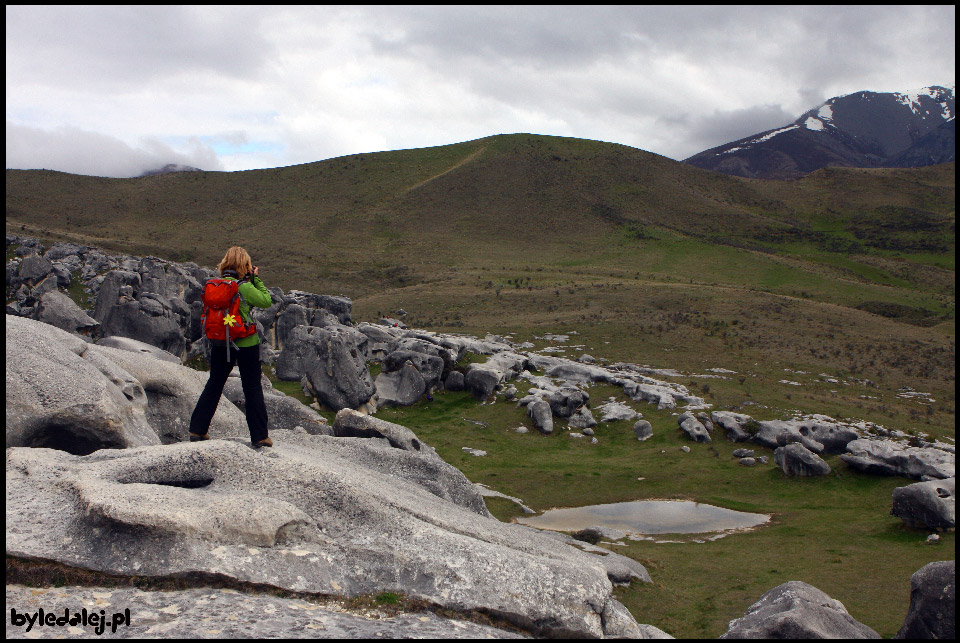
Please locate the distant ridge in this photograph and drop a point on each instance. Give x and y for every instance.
(171, 167)
(864, 130)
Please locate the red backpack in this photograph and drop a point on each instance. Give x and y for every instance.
(222, 321)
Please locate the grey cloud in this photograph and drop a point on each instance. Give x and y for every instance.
(702, 132)
(69, 149)
(106, 46)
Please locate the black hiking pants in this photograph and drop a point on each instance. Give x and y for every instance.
(248, 359)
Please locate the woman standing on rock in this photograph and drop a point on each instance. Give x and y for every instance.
(231, 331)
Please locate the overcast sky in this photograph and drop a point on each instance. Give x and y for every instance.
(114, 91)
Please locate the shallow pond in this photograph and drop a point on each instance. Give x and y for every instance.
(645, 517)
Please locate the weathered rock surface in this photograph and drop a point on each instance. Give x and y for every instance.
(539, 412)
(301, 516)
(57, 309)
(226, 613)
(127, 344)
(482, 381)
(927, 505)
(886, 457)
(614, 411)
(933, 603)
(330, 363)
(733, 424)
(402, 387)
(61, 395)
(565, 401)
(693, 428)
(643, 430)
(796, 610)
(796, 460)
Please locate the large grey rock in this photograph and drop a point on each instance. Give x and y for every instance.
(774, 433)
(127, 344)
(402, 387)
(300, 516)
(693, 428)
(796, 610)
(886, 457)
(330, 363)
(565, 401)
(142, 304)
(226, 613)
(481, 381)
(643, 430)
(539, 412)
(60, 395)
(933, 603)
(582, 419)
(614, 411)
(734, 424)
(382, 339)
(455, 381)
(353, 424)
(796, 460)
(33, 269)
(57, 309)
(927, 505)
(429, 366)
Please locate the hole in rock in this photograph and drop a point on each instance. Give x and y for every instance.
(73, 439)
(198, 483)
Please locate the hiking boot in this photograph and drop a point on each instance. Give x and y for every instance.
(197, 438)
(266, 442)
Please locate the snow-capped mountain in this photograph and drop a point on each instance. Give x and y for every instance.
(863, 129)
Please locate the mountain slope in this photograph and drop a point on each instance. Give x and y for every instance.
(864, 129)
(361, 222)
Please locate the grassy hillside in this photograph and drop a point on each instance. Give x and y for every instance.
(830, 294)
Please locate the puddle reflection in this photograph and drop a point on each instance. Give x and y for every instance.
(644, 517)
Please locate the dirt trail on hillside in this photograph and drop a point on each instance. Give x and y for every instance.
(460, 163)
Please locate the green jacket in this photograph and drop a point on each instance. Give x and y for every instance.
(254, 294)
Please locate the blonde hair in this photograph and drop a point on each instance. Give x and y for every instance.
(236, 259)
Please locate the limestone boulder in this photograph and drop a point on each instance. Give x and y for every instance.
(430, 367)
(172, 392)
(127, 344)
(582, 419)
(888, 457)
(927, 505)
(401, 387)
(330, 363)
(565, 401)
(796, 610)
(307, 515)
(796, 460)
(57, 309)
(933, 603)
(60, 395)
(693, 428)
(455, 381)
(482, 381)
(539, 412)
(643, 430)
